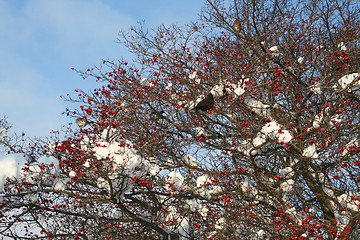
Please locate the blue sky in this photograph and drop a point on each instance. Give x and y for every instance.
(41, 40)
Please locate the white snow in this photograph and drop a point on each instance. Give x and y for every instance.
(322, 177)
(274, 51)
(301, 60)
(191, 161)
(203, 180)
(274, 131)
(102, 151)
(169, 86)
(247, 147)
(261, 234)
(348, 79)
(271, 130)
(199, 131)
(72, 174)
(220, 223)
(286, 172)
(124, 159)
(85, 143)
(259, 140)
(258, 107)
(108, 134)
(10, 167)
(239, 91)
(215, 190)
(342, 46)
(87, 163)
(152, 167)
(318, 48)
(348, 201)
(193, 76)
(236, 90)
(3, 132)
(218, 91)
(43, 170)
(315, 89)
(146, 83)
(50, 161)
(197, 206)
(122, 155)
(336, 118)
(60, 184)
(172, 213)
(175, 180)
(317, 121)
(310, 151)
(353, 143)
(328, 191)
(51, 147)
(248, 189)
(203, 210)
(104, 184)
(287, 186)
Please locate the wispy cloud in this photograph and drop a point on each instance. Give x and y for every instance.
(40, 40)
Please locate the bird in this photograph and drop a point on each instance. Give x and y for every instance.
(156, 115)
(81, 122)
(206, 104)
(236, 25)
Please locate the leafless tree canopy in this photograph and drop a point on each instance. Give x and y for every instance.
(244, 125)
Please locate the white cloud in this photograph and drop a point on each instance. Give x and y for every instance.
(39, 42)
(79, 29)
(26, 99)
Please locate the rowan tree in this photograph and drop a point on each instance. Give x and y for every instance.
(243, 125)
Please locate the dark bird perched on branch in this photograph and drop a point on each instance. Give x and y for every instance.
(206, 104)
(156, 115)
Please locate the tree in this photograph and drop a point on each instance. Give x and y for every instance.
(244, 125)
